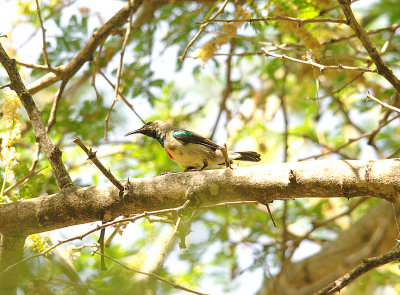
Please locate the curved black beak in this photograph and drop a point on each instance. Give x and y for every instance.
(135, 131)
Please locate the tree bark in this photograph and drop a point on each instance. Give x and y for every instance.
(263, 183)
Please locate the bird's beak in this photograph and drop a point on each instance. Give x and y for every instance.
(135, 131)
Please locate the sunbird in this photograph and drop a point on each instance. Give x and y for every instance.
(190, 150)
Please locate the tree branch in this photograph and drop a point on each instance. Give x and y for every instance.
(157, 277)
(371, 235)
(371, 49)
(300, 21)
(383, 104)
(46, 57)
(263, 183)
(93, 158)
(312, 63)
(53, 154)
(65, 72)
(365, 266)
(202, 28)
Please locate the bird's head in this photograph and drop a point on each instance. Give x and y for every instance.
(153, 129)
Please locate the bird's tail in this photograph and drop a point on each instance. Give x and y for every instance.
(249, 156)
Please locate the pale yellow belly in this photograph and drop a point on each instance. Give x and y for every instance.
(193, 155)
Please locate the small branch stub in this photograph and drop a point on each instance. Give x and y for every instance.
(92, 157)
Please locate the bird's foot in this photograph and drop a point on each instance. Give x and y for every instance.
(166, 172)
(191, 170)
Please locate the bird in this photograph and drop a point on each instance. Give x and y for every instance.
(190, 150)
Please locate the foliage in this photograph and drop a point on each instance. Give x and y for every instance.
(263, 104)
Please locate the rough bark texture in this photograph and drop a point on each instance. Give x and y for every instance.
(264, 183)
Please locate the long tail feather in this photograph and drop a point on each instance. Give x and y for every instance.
(249, 156)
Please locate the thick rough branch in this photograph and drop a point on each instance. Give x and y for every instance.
(53, 154)
(264, 183)
(371, 49)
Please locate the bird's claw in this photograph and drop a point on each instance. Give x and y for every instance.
(166, 172)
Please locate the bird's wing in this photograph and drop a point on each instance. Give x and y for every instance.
(191, 137)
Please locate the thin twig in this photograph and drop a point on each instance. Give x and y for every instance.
(121, 95)
(284, 235)
(55, 11)
(228, 87)
(107, 119)
(329, 9)
(28, 176)
(396, 222)
(6, 85)
(116, 230)
(384, 104)
(101, 246)
(202, 28)
(282, 98)
(350, 82)
(39, 67)
(270, 214)
(324, 146)
(335, 150)
(350, 141)
(31, 171)
(362, 35)
(178, 225)
(319, 224)
(94, 71)
(349, 121)
(157, 277)
(240, 54)
(92, 157)
(365, 266)
(54, 107)
(392, 155)
(119, 70)
(396, 97)
(391, 28)
(317, 65)
(46, 58)
(300, 21)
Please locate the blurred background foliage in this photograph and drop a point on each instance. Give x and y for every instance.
(232, 93)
